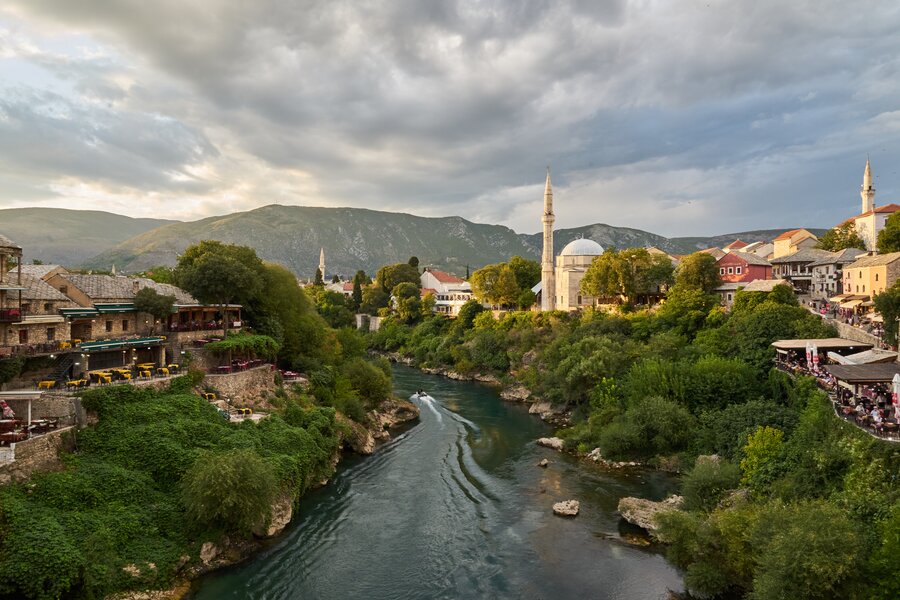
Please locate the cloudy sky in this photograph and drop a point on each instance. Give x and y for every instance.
(682, 118)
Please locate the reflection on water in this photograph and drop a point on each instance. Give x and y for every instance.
(457, 508)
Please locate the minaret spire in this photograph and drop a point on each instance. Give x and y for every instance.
(867, 189)
(548, 279)
(322, 263)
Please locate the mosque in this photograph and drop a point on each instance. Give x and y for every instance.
(564, 278)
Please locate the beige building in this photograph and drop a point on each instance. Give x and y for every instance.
(571, 264)
(827, 273)
(870, 275)
(792, 241)
(871, 220)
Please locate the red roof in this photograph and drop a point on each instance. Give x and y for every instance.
(444, 277)
(887, 208)
(737, 244)
(348, 286)
(788, 234)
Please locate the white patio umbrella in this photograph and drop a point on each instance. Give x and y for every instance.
(809, 355)
(814, 350)
(895, 383)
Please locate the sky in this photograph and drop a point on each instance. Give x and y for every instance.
(680, 118)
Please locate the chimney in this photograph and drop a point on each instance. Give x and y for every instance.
(135, 286)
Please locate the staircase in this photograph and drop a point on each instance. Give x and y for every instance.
(63, 363)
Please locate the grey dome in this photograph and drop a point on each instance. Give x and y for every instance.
(582, 247)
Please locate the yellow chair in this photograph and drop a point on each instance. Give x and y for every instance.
(162, 371)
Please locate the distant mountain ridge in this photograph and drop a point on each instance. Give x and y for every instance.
(70, 237)
(353, 238)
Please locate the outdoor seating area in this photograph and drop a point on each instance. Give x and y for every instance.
(113, 376)
(18, 430)
(865, 394)
(239, 365)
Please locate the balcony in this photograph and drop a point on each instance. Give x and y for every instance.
(12, 315)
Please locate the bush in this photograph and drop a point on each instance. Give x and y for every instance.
(372, 384)
(232, 491)
(708, 482)
(649, 427)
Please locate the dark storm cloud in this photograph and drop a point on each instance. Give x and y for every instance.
(705, 108)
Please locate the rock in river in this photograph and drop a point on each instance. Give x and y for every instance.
(642, 513)
(567, 508)
(554, 443)
(543, 463)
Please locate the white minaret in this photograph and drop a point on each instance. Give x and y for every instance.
(867, 190)
(322, 263)
(548, 279)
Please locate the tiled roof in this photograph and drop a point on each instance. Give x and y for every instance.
(736, 244)
(444, 277)
(38, 270)
(790, 234)
(5, 242)
(764, 285)
(804, 255)
(124, 288)
(874, 261)
(38, 289)
(714, 251)
(887, 208)
(752, 259)
(842, 257)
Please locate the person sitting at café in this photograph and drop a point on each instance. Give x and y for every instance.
(877, 420)
(7, 411)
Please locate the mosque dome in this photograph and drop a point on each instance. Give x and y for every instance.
(582, 247)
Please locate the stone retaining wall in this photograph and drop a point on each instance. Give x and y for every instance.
(853, 333)
(37, 455)
(243, 386)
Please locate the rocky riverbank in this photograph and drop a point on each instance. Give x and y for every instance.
(359, 438)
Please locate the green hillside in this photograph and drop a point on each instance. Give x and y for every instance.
(353, 239)
(69, 237)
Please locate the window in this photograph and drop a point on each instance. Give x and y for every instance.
(109, 326)
(23, 336)
(876, 276)
(730, 270)
(864, 289)
(737, 270)
(860, 275)
(124, 324)
(857, 288)
(579, 299)
(721, 270)
(64, 289)
(51, 334)
(48, 306)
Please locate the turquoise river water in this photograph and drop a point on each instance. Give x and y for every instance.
(455, 507)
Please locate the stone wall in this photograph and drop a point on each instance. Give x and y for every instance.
(50, 405)
(180, 338)
(243, 387)
(203, 359)
(853, 333)
(37, 455)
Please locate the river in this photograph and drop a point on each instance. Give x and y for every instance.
(455, 507)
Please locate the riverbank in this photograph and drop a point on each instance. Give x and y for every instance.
(456, 507)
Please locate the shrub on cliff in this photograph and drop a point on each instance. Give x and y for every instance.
(232, 491)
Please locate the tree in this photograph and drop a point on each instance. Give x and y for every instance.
(234, 491)
(888, 304)
(160, 274)
(496, 284)
(158, 306)
(698, 271)
(841, 237)
(318, 279)
(373, 298)
(336, 279)
(413, 262)
(527, 272)
(629, 273)
(388, 277)
(220, 274)
(409, 304)
(889, 237)
(761, 456)
(356, 295)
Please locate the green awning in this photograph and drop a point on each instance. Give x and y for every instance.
(123, 307)
(78, 312)
(118, 344)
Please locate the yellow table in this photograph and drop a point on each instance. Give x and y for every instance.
(162, 371)
(47, 384)
(75, 383)
(145, 373)
(209, 396)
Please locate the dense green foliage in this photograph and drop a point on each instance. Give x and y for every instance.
(841, 237)
(149, 301)
(798, 503)
(508, 283)
(889, 237)
(246, 345)
(628, 273)
(888, 304)
(158, 475)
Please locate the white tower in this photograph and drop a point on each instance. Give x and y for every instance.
(548, 280)
(322, 263)
(867, 190)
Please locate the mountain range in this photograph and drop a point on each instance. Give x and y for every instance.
(353, 238)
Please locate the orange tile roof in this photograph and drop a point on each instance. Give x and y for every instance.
(788, 234)
(444, 277)
(737, 244)
(887, 208)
